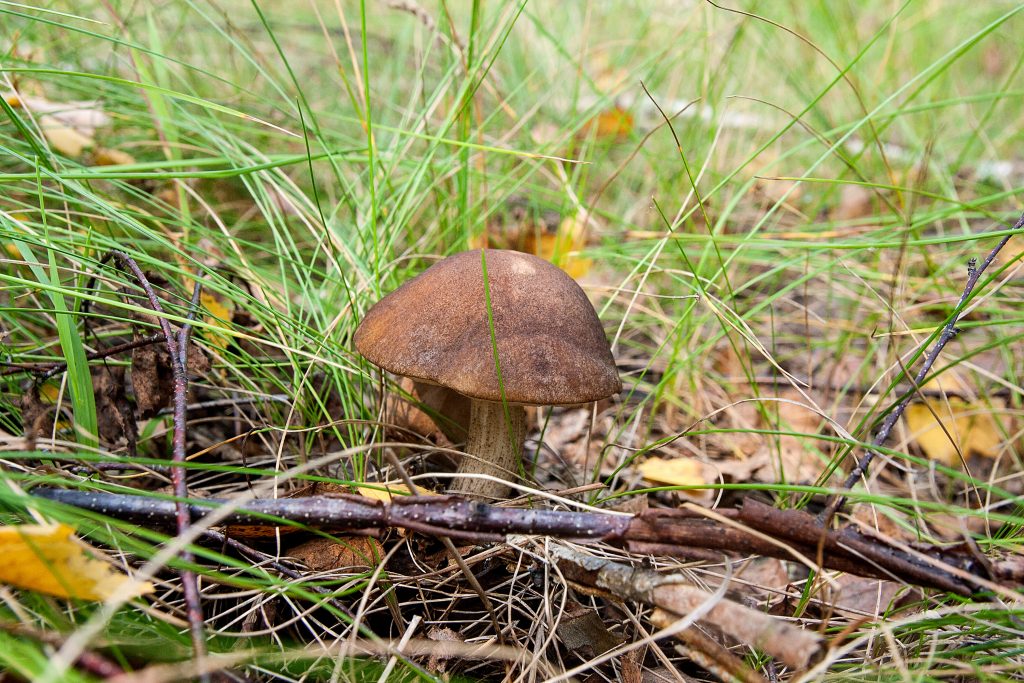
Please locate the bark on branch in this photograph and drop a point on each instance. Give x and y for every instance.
(756, 528)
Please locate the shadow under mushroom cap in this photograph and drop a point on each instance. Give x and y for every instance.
(551, 345)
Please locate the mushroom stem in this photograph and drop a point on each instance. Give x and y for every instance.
(494, 447)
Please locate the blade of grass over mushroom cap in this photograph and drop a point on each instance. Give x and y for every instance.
(459, 316)
(494, 350)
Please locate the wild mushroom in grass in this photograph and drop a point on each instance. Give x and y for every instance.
(551, 349)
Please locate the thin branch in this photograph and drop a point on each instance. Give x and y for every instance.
(52, 368)
(177, 347)
(772, 533)
(949, 331)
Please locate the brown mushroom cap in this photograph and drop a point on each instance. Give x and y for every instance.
(551, 345)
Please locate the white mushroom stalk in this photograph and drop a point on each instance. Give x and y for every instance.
(494, 447)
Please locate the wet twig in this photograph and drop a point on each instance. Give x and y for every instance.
(949, 331)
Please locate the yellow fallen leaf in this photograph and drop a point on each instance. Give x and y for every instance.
(387, 492)
(615, 123)
(969, 425)
(69, 127)
(479, 241)
(673, 472)
(1013, 251)
(82, 115)
(47, 559)
(63, 138)
(221, 310)
(562, 248)
(107, 156)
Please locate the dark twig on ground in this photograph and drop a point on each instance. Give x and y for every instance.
(755, 528)
(177, 347)
(47, 370)
(949, 331)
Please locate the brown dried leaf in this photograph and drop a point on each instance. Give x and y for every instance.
(763, 579)
(106, 156)
(741, 444)
(348, 552)
(790, 458)
(566, 434)
(152, 378)
(855, 201)
(859, 596)
(631, 667)
(634, 504)
(741, 469)
(114, 414)
(438, 663)
(870, 517)
(36, 417)
(582, 632)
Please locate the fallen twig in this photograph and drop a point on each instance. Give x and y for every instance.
(793, 646)
(672, 532)
(949, 331)
(706, 652)
(177, 347)
(46, 370)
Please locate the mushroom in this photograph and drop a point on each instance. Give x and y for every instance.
(551, 348)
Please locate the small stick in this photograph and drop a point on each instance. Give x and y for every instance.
(672, 593)
(949, 331)
(52, 368)
(177, 347)
(707, 653)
